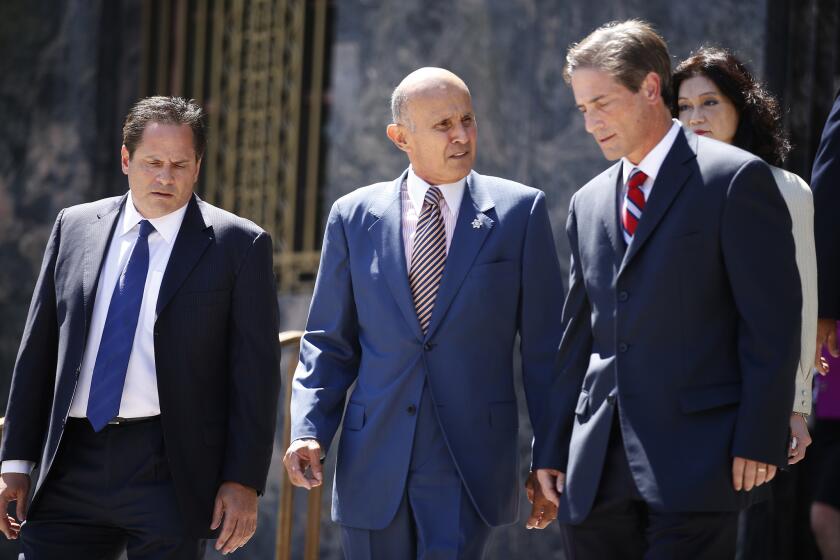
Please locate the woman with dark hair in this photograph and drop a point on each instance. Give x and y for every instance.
(716, 96)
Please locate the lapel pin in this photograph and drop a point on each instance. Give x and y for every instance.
(476, 223)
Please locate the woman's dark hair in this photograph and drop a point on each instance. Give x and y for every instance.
(760, 129)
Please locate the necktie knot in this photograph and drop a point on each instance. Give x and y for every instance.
(146, 228)
(433, 196)
(637, 178)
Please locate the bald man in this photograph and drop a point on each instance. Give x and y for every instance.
(424, 283)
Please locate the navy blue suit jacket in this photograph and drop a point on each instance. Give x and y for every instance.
(825, 182)
(501, 278)
(216, 350)
(690, 335)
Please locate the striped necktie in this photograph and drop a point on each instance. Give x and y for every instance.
(428, 257)
(106, 386)
(634, 204)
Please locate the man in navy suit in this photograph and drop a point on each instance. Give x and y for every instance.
(425, 282)
(681, 326)
(146, 385)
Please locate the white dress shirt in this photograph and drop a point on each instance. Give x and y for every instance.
(649, 165)
(413, 193)
(140, 392)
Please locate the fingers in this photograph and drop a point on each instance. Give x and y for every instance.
(314, 452)
(738, 466)
(20, 510)
(560, 483)
(747, 474)
(823, 367)
(300, 455)
(226, 543)
(218, 510)
(548, 480)
(542, 515)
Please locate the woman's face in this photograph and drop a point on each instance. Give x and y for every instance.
(705, 110)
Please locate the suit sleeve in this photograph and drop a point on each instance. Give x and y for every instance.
(33, 379)
(329, 351)
(825, 182)
(540, 309)
(254, 369)
(760, 259)
(553, 430)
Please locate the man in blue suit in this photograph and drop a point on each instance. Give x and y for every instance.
(424, 283)
(681, 326)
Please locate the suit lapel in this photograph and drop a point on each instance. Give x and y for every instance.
(99, 233)
(193, 239)
(610, 199)
(669, 182)
(386, 235)
(466, 242)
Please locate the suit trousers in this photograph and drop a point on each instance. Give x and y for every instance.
(436, 519)
(106, 493)
(621, 526)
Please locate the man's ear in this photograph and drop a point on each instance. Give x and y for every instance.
(396, 133)
(124, 157)
(652, 87)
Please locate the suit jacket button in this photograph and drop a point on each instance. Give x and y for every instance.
(428, 346)
(611, 399)
(412, 410)
(623, 296)
(622, 347)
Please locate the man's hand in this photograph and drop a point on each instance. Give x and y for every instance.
(826, 336)
(747, 474)
(543, 512)
(800, 439)
(14, 487)
(238, 505)
(303, 454)
(551, 483)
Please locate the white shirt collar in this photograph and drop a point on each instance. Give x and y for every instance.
(167, 226)
(652, 162)
(452, 192)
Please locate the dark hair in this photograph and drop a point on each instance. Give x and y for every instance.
(628, 51)
(760, 129)
(164, 110)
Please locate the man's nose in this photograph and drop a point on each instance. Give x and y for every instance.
(591, 123)
(459, 134)
(165, 176)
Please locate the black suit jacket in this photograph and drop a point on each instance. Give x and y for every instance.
(825, 182)
(691, 335)
(216, 350)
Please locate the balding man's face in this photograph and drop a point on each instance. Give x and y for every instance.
(440, 135)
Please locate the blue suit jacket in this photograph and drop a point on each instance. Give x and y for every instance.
(825, 182)
(501, 278)
(690, 335)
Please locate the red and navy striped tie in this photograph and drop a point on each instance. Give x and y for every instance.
(428, 257)
(634, 203)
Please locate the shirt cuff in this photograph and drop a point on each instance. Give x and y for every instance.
(22, 467)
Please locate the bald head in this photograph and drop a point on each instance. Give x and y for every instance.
(422, 82)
